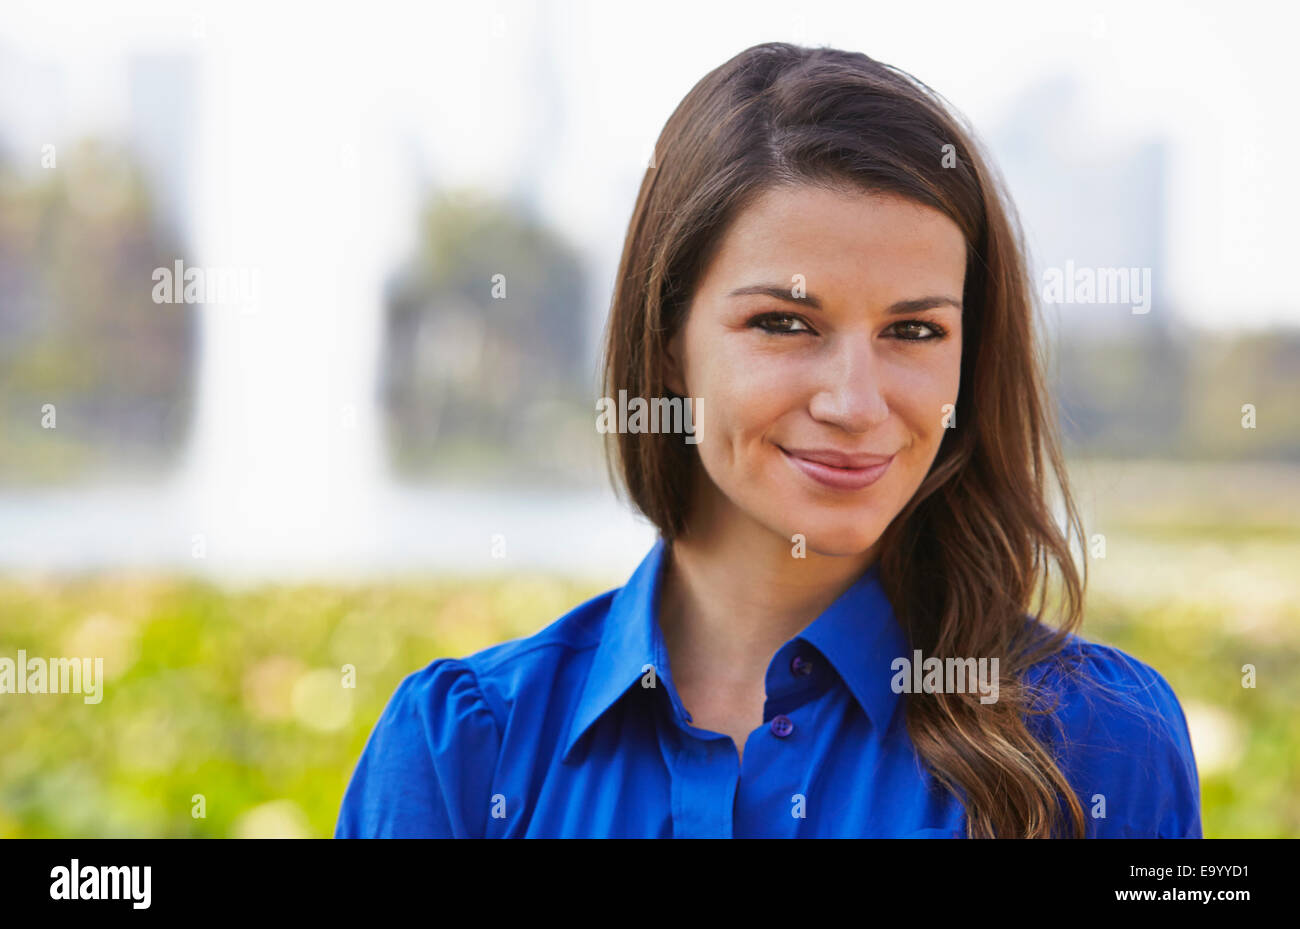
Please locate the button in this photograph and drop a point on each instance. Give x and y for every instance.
(781, 726)
(800, 666)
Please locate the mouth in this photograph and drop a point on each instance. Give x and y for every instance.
(837, 470)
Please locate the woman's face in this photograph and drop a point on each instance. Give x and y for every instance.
(824, 341)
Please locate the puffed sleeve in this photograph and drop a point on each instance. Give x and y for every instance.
(1122, 740)
(427, 768)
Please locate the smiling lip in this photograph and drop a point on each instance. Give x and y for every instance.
(836, 469)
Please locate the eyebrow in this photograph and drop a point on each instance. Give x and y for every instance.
(778, 292)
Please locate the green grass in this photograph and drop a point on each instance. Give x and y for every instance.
(237, 696)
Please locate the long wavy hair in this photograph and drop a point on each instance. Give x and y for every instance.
(964, 559)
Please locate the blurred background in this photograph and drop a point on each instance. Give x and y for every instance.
(299, 324)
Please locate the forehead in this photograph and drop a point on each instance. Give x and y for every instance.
(841, 239)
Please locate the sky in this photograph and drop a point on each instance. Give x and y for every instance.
(455, 88)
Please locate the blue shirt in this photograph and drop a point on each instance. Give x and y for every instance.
(577, 731)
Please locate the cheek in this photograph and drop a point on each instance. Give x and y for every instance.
(744, 395)
(924, 393)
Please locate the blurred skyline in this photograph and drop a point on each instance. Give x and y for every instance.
(542, 112)
(304, 146)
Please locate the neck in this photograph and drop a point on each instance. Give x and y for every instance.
(733, 593)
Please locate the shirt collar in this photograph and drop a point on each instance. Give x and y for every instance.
(627, 644)
(858, 634)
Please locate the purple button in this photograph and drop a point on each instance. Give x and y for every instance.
(781, 726)
(800, 666)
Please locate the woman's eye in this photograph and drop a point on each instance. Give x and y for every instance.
(915, 325)
(780, 323)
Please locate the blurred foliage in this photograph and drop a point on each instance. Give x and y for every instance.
(476, 382)
(485, 357)
(1178, 393)
(1246, 740)
(237, 694)
(78, 325)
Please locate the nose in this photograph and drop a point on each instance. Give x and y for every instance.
(850, 390)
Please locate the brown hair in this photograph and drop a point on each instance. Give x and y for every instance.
(963, 559)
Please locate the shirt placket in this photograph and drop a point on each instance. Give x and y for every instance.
(705, 776)
(703, 768)
(774, 788)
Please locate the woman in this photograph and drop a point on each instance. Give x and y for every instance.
(831, 636)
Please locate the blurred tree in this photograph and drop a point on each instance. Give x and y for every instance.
(1125, 393)
(1259, 368)
(484, 356)
(1178, 393)
(78, 325)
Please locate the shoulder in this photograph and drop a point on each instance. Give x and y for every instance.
(524, 670)
(429, 762)
(488, 685)
(1121, 736)
(420, 774)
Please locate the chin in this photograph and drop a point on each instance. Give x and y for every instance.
(842, 539)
